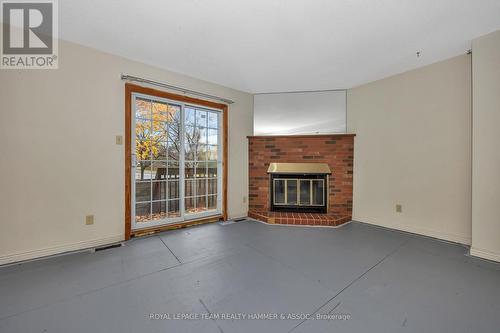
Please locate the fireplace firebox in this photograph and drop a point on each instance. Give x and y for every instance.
(299, 187)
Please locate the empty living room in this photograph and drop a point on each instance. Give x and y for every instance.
(276, 166)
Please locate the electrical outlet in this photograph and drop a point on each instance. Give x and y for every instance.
(119, 140)
(244, 199)
(399, 208)
(89, 219)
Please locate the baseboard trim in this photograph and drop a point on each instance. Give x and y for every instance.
(483, 254)
(421, 231)
(60, 249)
(237, 216)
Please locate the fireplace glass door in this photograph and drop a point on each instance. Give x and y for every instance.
(298, 192)
(317, 192)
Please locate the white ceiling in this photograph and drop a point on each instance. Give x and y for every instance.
(280, 45)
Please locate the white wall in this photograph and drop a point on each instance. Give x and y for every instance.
(300, 113)
(59, 158)
(413, 147)
(486, 150)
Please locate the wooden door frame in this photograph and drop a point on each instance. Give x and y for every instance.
(133, 88)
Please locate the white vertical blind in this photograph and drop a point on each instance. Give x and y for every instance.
(321, 112)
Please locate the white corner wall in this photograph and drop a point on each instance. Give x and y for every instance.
(485, 145)
(413, 147)
(59, 157)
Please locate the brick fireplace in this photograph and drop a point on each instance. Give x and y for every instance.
(301, 151)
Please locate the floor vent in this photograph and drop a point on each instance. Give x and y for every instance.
(108, 247)
(240, 219)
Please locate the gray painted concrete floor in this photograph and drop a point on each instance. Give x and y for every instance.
(385, 281)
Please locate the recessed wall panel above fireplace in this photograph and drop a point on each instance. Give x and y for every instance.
(283, 113)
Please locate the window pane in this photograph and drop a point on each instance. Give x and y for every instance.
(159, 171)
(317, 188)
(189, 132)
(212, 202)
(143, 170)
(167, 112)
(213, 136)
(159, 150)
(189, 206)
(159, 107)
(189, 169)
(161, 119)
(173, 170)
(143, 139)
(143, 212)
(213, 119)
(305, 192)
(212, 186)
(174, 208)
(189, 152)
(201, 153)
(212, 169)
(195, 137)
(174, 114)
(142, 191)
(173, 189)
(159, 210)
(279, 191)
(174, 131)
(201, 170)
(201, 118)
(201, 204)
(189, 188)
(201, 186)
(173, 150)
(212, 153)
(143, 108)
(159, 129)
(203, 135)
(291, 188)
(159, 190)
(189, 116)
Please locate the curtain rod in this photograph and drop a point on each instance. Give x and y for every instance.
(168, 86)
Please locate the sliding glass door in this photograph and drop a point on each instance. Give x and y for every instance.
(176, 161)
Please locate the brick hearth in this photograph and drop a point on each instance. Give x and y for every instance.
(335, 149)
(299, 218)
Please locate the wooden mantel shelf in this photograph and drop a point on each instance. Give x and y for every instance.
(301, 135)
